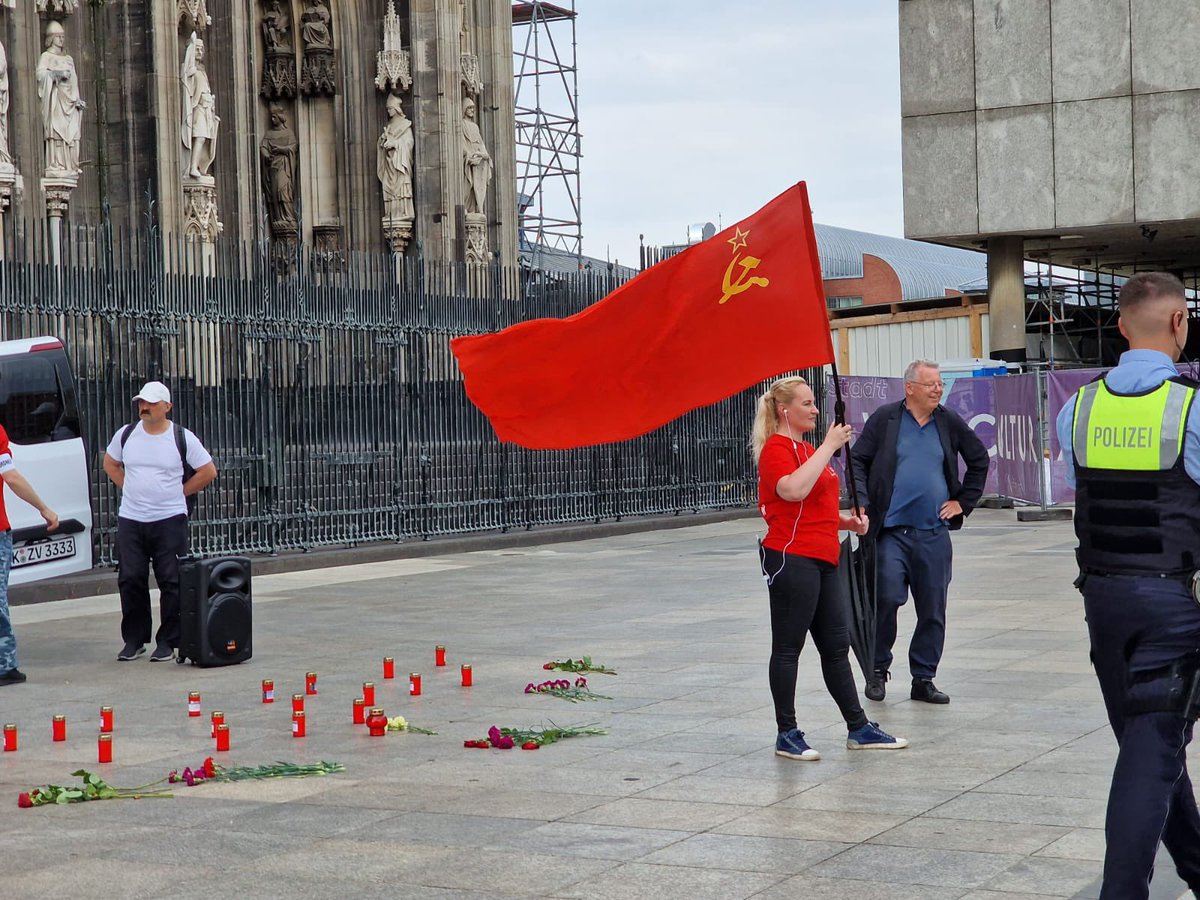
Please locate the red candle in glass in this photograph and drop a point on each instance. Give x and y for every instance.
(268, 688)
(60, 728)
(298, 724)
(377, 722)
(104, 748)
(414, 684)
(360, 711)
(369, 693)
(10, 737)
(297, 703)
(468, 676)
(310, 683)
(193, 704)
(106, 719)
(218, 718)
(222, 737)
(439, 655)
(389, 667)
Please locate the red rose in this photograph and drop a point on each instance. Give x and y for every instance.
(530, 745)
(23, 801)
(505, 743)
(210, 768)
(548, 665)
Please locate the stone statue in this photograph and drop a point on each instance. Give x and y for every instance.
(277, 153)
(5, 156)
(277, 31)
(200, 118)
(477, 163)
(396, 161)
(315, 26)
(62, 109)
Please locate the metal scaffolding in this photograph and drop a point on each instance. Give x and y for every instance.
(547, 127)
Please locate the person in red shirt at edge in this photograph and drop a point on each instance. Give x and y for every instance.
(798, 494)
(16, 482)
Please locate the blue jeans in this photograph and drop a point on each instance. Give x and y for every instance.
(1141, 625)
(910, 558)
(8, 641)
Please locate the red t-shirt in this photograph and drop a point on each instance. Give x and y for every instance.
(806, 528)
(6, 465)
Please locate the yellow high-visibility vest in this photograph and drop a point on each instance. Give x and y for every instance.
(1136, 433)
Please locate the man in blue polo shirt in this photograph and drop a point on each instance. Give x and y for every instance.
(906, 465)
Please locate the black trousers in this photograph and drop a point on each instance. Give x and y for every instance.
(1140, 625)
(140, 544)
(806, 597)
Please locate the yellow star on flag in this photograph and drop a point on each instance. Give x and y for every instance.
(739, 239)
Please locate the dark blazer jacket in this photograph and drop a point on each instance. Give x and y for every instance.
(874, 458)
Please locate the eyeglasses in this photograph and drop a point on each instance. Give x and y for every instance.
(932, 385)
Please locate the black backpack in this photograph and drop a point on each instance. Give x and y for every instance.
(181, 444)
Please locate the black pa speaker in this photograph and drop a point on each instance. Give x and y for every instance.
(214, 611)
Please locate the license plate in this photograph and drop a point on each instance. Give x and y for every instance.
(43, 551)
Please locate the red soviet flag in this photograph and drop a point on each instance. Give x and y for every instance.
(743, 306)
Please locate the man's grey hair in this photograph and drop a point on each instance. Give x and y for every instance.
(910, 374)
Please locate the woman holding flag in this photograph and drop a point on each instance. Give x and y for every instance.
(798, 494)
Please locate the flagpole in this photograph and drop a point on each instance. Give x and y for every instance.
(839, 417)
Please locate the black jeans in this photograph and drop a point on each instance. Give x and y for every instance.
(806, 596)
(138, 545)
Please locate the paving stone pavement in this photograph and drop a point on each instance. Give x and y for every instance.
(1000, 797)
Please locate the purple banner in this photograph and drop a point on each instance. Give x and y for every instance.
(971, 398)
(1061, 388)
(1018, 460)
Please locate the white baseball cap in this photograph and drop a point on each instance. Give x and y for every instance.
(154, 392)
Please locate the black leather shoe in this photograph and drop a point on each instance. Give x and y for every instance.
(925, 691)
(876, 688)
(12, 676)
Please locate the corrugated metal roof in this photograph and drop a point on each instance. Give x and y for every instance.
(924, 270)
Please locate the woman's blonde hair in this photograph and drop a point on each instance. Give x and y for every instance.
(766, 417)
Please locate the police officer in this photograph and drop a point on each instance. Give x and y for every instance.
(1134, 436)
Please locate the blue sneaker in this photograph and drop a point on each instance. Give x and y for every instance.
(872, 737)
(792, 745)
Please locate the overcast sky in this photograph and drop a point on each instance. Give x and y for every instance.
(697, 109)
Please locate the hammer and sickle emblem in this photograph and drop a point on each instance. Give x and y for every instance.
(744, 281)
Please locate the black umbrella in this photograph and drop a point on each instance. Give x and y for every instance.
(857, 570)
(857, 565)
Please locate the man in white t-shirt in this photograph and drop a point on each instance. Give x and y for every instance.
(146, 461)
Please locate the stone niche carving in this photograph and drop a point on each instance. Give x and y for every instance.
(200, 219)
(200, 119)
(327, 247)
(279, 65)
(476, 232)
(194, 14)
(57, 7)
(393, 67)
(278, 153)
(62, 108)
(471, 82)
(319, 75)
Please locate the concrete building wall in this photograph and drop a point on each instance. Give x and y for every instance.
(1035, 116)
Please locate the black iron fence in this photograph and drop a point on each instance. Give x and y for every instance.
(326, 391)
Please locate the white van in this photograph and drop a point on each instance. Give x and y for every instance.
(40, 411)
